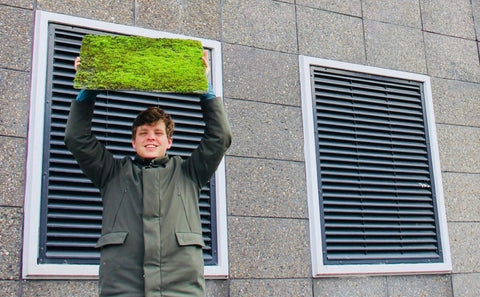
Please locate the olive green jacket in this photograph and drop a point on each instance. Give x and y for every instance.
(151, 242)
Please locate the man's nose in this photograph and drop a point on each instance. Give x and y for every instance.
(151, 135)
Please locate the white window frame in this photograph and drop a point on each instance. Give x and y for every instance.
(320, 269)
(32, 269)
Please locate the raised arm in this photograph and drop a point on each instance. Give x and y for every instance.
(216, 139)
(93, 158)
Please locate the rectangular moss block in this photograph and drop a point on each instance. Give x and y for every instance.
(142, 64)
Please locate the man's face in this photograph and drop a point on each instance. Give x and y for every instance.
(151, 141)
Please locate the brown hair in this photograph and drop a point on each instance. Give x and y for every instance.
(151, 116)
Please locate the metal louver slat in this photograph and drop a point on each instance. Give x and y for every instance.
(376, 195)
(71, 206)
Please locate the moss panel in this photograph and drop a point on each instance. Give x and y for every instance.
(141, 63)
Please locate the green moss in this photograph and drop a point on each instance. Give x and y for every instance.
(141, 63)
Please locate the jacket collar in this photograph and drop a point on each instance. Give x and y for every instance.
(151, 162)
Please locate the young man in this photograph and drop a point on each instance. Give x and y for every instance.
(151, 242)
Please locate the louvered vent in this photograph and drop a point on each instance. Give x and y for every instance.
(71, 206)
(375, 179)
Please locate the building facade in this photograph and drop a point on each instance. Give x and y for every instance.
(354, 168)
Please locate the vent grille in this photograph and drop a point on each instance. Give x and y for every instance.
(375, 182)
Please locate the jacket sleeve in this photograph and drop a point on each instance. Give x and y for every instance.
(92, 156)
(216, 140)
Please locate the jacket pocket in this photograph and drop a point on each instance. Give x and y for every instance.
(188, 238)
(112, 238)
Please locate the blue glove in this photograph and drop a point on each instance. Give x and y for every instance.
(208, 95)
(87, 95)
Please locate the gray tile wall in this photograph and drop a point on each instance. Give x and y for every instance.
(268, 230)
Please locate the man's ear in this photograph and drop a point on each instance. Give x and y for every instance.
(133, 144)
(170, 141)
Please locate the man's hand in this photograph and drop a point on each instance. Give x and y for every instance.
(84, 95)
(205, 61)
(76, 63)
(209, 94)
